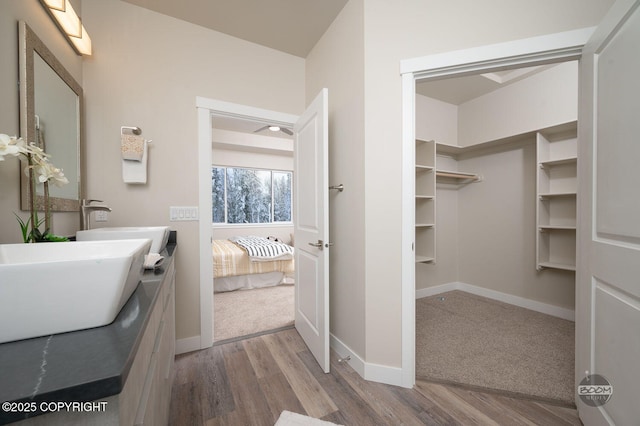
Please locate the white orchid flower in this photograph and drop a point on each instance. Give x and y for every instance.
(39, 168)
(36, 152)
(47, 172)
(9, 146)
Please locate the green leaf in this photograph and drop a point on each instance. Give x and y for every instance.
(24, 227)
(55, 238)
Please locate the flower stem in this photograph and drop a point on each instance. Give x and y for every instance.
(47, 208)
(32, 199)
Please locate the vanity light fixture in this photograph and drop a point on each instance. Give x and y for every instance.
(69, 23)
(274, 128)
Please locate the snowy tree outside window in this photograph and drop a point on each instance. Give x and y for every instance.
(243, 195)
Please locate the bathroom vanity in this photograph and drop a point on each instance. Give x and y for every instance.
(118, 374)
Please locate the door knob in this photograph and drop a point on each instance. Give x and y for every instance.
(319, 244)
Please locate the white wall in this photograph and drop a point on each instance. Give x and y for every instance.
(337, 62)
(12, 11)
(545, 99)
(408, 29)
(146, 71)
(230, 148)
(497, 229)
(436, 120)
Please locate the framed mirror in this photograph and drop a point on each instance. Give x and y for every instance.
(51, 109)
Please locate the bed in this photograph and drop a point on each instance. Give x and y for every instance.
(261, 263)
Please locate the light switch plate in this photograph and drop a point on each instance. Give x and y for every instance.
(101, 216)
(184, 213)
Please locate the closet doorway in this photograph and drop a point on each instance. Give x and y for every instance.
(252, 180)
(471, 186)
(495, 250)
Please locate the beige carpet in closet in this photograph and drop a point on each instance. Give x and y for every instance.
(470, 340)
(247, 312)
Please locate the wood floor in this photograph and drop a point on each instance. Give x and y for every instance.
(250, 382)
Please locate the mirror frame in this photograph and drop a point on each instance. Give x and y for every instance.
(29, 45)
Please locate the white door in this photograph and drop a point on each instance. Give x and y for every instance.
(608, 273)
(311, 219)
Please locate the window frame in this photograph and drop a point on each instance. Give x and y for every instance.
(270, 224)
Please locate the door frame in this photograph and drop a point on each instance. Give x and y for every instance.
(207, 109)
(541, 50)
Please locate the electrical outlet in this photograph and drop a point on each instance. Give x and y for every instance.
(101, 215)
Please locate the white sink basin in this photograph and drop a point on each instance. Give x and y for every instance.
(50, 288)
(159, 235)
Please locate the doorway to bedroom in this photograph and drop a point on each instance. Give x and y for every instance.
(251, 180)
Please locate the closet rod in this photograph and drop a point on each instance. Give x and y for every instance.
(457, 175)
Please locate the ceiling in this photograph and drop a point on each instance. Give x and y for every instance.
(294, 27)
(245, 126)
(459, 90)
(291, 26)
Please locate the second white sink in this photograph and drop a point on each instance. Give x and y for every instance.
(158, 234)
(50, 288)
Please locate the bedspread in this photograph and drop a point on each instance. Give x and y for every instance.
(263, 249)
(230, 260)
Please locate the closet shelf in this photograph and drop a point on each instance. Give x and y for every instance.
(556, 265)
(559, 162)
(425, 201)
(462, 176)
(557, 158)
(557, 194)
(557, 227)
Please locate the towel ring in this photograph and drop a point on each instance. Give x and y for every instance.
(134, 130)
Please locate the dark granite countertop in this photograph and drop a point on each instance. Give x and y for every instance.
(85, 365)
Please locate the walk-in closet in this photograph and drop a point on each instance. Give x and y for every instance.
(495, 230)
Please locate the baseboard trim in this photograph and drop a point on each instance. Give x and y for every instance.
(384, 374)
(188, 344)
(522, 302)
(442, 288)
(344, 351)
(368, 371)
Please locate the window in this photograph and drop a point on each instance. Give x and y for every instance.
(250, 195)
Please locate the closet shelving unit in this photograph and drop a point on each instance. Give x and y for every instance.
(425, 201)
(557, 192)
(458, 177)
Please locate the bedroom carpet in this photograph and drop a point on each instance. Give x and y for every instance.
(246, 312)
(485, 344)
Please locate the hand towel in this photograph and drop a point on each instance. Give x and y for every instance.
(153, 260)
(136, 171)
(132, 147)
